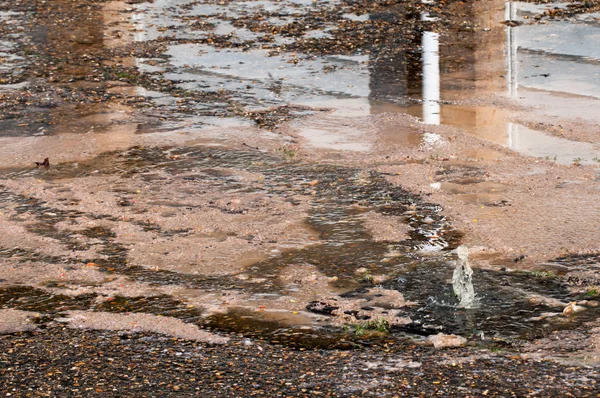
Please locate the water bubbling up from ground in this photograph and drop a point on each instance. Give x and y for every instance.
(462, 279)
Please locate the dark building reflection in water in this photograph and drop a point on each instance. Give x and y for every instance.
(453, 58)
(395, 69)
(439, 56)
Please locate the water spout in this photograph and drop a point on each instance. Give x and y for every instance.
(462, 282)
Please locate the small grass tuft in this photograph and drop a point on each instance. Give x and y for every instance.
(366, 278)
(288, 153)
(544, 274)
(374, 325)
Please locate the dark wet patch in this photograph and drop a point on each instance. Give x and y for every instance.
(158, 305)
(26, 255)
(27, 298)
(461, 174)
(253, 325)
(499, 203)
(272, 118)
(504, 307)
(50, 304)
(579, 271)
(591, 260)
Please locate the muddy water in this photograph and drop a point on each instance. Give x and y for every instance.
(422, 264)
(339, 201)
(139, 85)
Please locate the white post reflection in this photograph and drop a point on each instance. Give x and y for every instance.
(431, 77)
(510, 14)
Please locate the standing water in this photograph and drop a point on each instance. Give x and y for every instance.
(462, 279)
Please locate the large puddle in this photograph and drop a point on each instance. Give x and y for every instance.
(550, 69)
(201, 70)
(256, 55)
